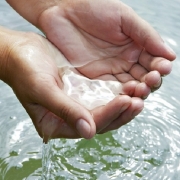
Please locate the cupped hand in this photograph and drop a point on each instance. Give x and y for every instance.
(30, 69)
(107, 40)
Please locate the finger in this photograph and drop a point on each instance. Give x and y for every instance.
(136, 89)
(152, 63)
(152, 78)
(104, 115)
(124, 77)
(133, 110)
(142, 33)
(138, 72)
(50, 96)
(156, 87)
(130, 86)
(48, 125)
(142, 91)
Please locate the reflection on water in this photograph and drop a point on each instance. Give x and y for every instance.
(20, 153)
(148, 148)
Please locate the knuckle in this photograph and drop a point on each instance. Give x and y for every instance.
(65, 113)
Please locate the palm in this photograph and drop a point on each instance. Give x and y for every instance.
(94, 41)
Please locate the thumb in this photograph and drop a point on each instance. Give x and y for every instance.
(144, 35)
(75, 115)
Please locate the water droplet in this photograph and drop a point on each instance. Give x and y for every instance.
(18, 166)
(158, 109)
(169, 161)
(13, 117)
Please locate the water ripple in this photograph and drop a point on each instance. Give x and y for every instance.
(147, 148)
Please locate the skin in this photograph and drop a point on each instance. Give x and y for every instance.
(27, 64)
(115, 32)
(135, 56)
(109, 43)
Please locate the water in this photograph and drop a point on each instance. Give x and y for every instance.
(89, 93)
(148, 148)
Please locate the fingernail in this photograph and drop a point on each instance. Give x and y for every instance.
(135, 113)
(145, 97)
(169, 49)
(158, 84)
(83, 128)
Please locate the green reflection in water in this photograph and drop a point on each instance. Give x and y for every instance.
(19, 173)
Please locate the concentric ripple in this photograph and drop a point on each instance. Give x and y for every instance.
(147, 148)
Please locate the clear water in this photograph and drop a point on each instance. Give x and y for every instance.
(148, 148)
(87, 92)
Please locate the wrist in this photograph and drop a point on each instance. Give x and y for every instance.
(10, 41)
(32, 9)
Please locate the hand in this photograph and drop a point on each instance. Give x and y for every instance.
(106, 40)
(29, 68)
